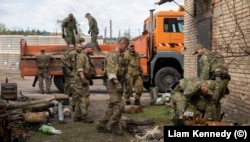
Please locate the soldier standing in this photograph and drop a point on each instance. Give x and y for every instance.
(83, 72)
(43, 61)
(69, 29)
(93, 30)
(72, 80)
(213, 68)
(115, 69)
(67, 68)
(134, 75)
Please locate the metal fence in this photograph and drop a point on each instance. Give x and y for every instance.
(10, 50)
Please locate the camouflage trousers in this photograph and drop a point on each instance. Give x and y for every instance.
(94, 40)
(73, 90)
(66, 85)
(134, 82)
(82, 101)
(70, 39)
(115, 107)
(213, 109)
(43, 75)
(181, 102)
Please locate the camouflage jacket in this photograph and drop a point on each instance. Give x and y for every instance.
(72, 58)
(65, 59)
(82, 64)
(211, 62)
(43, 60)
(134, 67)
(115, 65)
(69, 27)
(190, 86)
(93, 28)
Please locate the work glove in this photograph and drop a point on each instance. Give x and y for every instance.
(63, 35)
(88, 32)
(118, 85)
(84, 82)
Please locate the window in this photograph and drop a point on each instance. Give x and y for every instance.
(173, 24)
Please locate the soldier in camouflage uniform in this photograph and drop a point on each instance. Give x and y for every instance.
(43, 61)
(115, 68)
(82, 84)
(93, 30)
(67, 68)
(192, 90)
(134, 75)
(72, 80)
(213, 68)
(69, 29)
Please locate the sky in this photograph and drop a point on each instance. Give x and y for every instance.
(125, 15)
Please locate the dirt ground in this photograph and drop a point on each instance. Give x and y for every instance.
(98, 102)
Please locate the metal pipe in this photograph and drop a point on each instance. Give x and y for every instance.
(151, 32)
(60, 112)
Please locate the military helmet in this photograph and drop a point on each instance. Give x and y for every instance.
(197, 47)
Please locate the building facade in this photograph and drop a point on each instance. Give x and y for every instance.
(222, 26)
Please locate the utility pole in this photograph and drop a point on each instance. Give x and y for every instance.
(105, 34)
(110, 30)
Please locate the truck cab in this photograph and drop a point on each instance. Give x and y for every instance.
(160, 47)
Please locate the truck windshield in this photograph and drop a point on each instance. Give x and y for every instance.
(173, 25)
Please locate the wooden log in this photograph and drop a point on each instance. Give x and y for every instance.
(218, 123)
(35, 117)
(132, 109)
(129, 109)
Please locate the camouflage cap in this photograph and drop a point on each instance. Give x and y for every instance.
(210, 86)
(42, 50)
(87, 14)
(197, 47)
(89, 45)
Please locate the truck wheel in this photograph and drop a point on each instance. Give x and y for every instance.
(165, 77)
(59, 83)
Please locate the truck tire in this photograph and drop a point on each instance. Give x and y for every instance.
(165, 77)
(59, 83)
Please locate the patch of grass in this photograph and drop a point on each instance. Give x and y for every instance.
(77, 132)
(161, 115)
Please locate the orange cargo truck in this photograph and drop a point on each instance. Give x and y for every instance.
(160, 47)
(28, 64)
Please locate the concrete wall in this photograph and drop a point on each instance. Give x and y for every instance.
(230, 36)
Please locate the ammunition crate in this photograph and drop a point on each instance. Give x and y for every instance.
(9, 91)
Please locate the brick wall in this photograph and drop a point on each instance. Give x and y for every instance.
(230, 37)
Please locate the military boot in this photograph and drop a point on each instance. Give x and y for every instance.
(73, 108)
(102, 128)
(137, 102)
(116, 130)
(87, 120)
